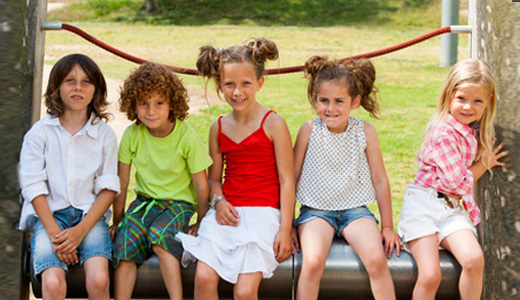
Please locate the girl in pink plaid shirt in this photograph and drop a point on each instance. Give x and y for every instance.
(457, 150)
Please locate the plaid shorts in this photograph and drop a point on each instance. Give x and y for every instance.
(148, 222)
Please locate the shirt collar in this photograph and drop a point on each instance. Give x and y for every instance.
(90, 129)
(463, 129)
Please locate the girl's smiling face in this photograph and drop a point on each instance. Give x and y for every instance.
(468, 103)
(239, 85)
(333, 105)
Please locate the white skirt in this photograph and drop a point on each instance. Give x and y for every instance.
(234, 250)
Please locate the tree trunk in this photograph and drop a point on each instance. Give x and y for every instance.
(150, 6)
(16, 78)
(496, 39)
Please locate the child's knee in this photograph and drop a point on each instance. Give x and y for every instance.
(97, 283)
(314, 265)
(242, 292)
(430, 278)
(54, 284)
(473, 261)
(375, 262)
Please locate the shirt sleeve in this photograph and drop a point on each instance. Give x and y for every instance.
(107, 177)
(453, 175)
(197, 156)
(125, 153)
(32, 172)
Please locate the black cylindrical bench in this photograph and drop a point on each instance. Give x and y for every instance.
(344, 278)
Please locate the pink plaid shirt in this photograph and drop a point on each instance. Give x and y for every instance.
(445, 160)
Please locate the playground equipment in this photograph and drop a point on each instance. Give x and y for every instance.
(344, 278)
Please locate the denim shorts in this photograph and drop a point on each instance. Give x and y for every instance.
(338, 219)
(97, 242)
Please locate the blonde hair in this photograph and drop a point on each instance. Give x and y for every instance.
(469, 71)
(358, 76)
(211, 60)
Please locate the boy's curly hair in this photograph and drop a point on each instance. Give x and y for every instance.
(152, 78)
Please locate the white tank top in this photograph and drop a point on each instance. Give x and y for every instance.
(335, 173)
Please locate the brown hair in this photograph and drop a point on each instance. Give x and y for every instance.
(58, 73)
(152, 78)
(256, 52)
(358, 76)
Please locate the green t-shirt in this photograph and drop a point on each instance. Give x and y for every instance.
(164, 165)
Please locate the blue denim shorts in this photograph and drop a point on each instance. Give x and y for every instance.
(97, 242)
(338, 219)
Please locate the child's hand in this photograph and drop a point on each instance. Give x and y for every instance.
(498, 155)
(283, 246)
(295, 239)
(391, 240)
(194, 229)
(68, 258)
(68, 240)
(112, 231)
(226, 213)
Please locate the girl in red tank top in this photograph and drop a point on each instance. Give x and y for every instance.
(248, 229)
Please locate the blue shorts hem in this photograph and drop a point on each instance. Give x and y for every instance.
(94, 254)
(43, 267)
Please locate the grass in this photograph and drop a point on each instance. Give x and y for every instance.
(409, 81)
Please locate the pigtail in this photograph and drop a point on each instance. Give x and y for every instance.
(363, 83)
(358, 76)
(208, 61)
(262, 49)
(313, 67)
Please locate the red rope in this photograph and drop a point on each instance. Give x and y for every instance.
(138, 60)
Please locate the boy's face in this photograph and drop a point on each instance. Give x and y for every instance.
(154, 113)
(76, 90)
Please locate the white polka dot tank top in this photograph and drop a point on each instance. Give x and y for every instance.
(335, 173)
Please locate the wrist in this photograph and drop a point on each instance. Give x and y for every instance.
(216, 198)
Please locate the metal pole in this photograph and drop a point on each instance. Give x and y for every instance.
(449, 42)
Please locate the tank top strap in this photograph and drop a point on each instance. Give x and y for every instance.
(219, 125)
(265, 117)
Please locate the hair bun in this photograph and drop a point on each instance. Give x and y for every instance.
(315, 64)
(207, 62)
(263, 49)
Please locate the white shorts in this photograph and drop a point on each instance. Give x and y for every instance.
(423, 214)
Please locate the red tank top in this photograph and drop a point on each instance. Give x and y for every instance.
(250, 175)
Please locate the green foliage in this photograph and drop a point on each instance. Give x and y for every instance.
(417, 3)
(244, 12)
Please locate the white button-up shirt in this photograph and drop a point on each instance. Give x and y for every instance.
(70, 170)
